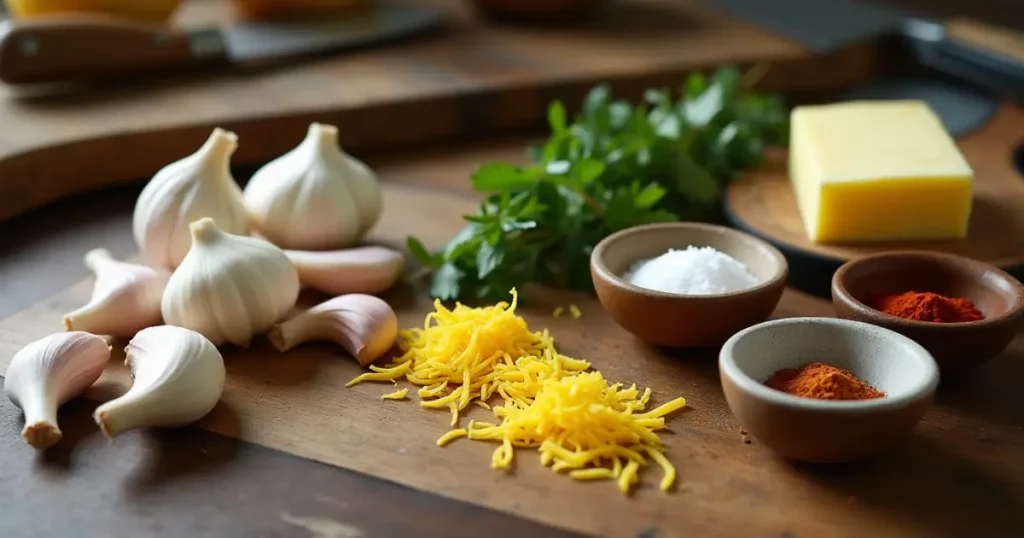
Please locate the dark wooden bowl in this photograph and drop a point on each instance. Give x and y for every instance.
(539, 10)
(999, 296)
(676, 320)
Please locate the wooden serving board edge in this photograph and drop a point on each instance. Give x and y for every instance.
(35, 177)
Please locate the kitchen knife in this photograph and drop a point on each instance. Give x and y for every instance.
(90, 47)
(966, 49)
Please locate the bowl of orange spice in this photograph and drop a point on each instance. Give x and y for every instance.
(964, 312)
(826, 390)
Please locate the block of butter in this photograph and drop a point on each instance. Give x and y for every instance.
(877, 170)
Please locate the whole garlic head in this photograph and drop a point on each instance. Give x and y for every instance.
(197, 186)
(178, 378)
(315, 197)
(229, 287)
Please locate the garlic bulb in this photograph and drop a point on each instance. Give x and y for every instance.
(315, 197)
(354, 270)
(229, 287)
(363, 324)
(125, 298)
(197, 186)
(49, 372)
(178, 378)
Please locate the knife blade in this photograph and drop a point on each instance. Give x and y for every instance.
(89, 47)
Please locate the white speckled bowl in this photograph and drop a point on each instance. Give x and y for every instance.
(822, 430)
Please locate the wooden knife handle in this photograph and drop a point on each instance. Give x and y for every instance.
(994, 39)
(54, 50)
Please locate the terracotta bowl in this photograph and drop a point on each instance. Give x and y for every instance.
(675, 320)
(998, 296)
(826, 431)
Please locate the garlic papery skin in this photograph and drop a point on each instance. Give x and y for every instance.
(229, 287)
(355, 270)
(178, 378)
(197, 186)
(363, 324)
(49, 372)
(125, 298)
(315, 197)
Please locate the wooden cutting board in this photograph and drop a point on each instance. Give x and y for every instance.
(473, 78)
(960, 474)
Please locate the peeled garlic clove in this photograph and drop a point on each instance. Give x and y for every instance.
(178, 378)
(229, 287)
(125, 297)
(363, 324)
(197, 186)
(355, 270)
(49, 372)
(315, 197)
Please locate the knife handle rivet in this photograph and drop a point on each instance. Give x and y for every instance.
(28, 46)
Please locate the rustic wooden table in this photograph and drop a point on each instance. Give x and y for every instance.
(961, 477)
(191, 482)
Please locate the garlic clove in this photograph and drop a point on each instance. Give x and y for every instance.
(125, 298)
(47, 373)
(229, 287)
(363, 324)
(315, 197)
(194, 187)
(178, 378)
(356, 270)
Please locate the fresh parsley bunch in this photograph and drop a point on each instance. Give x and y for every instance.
(615, 166)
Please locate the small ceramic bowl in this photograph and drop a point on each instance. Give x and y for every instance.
(998, 296)
(826, 431)
(676, 320)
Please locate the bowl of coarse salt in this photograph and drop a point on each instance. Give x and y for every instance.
(685, 284)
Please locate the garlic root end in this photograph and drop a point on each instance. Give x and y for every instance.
(102, 419)
(278, 339)
(41, 434)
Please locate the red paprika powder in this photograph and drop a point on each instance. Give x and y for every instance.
(822, 382)
(927, 306)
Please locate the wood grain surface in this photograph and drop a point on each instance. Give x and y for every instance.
(58, 141)
(762, 202)
(958, 475)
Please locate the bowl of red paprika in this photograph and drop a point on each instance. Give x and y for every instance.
(963, 311)
(826, 390)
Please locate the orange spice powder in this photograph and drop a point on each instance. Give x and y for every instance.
(822, 382)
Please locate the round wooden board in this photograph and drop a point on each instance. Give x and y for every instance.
(763, 204)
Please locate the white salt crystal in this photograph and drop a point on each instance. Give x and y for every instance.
(694, 271)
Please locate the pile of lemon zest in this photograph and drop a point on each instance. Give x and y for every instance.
(464, 354)
(583, 425)
(576, 420)
(575, 311)
(451, 436)
(397, 395)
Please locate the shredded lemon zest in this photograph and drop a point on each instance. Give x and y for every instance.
(575, 311)
(577, 421)
(468, 354)
(399, 394)
(586, 426)
(559, 310)
(451, 436)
